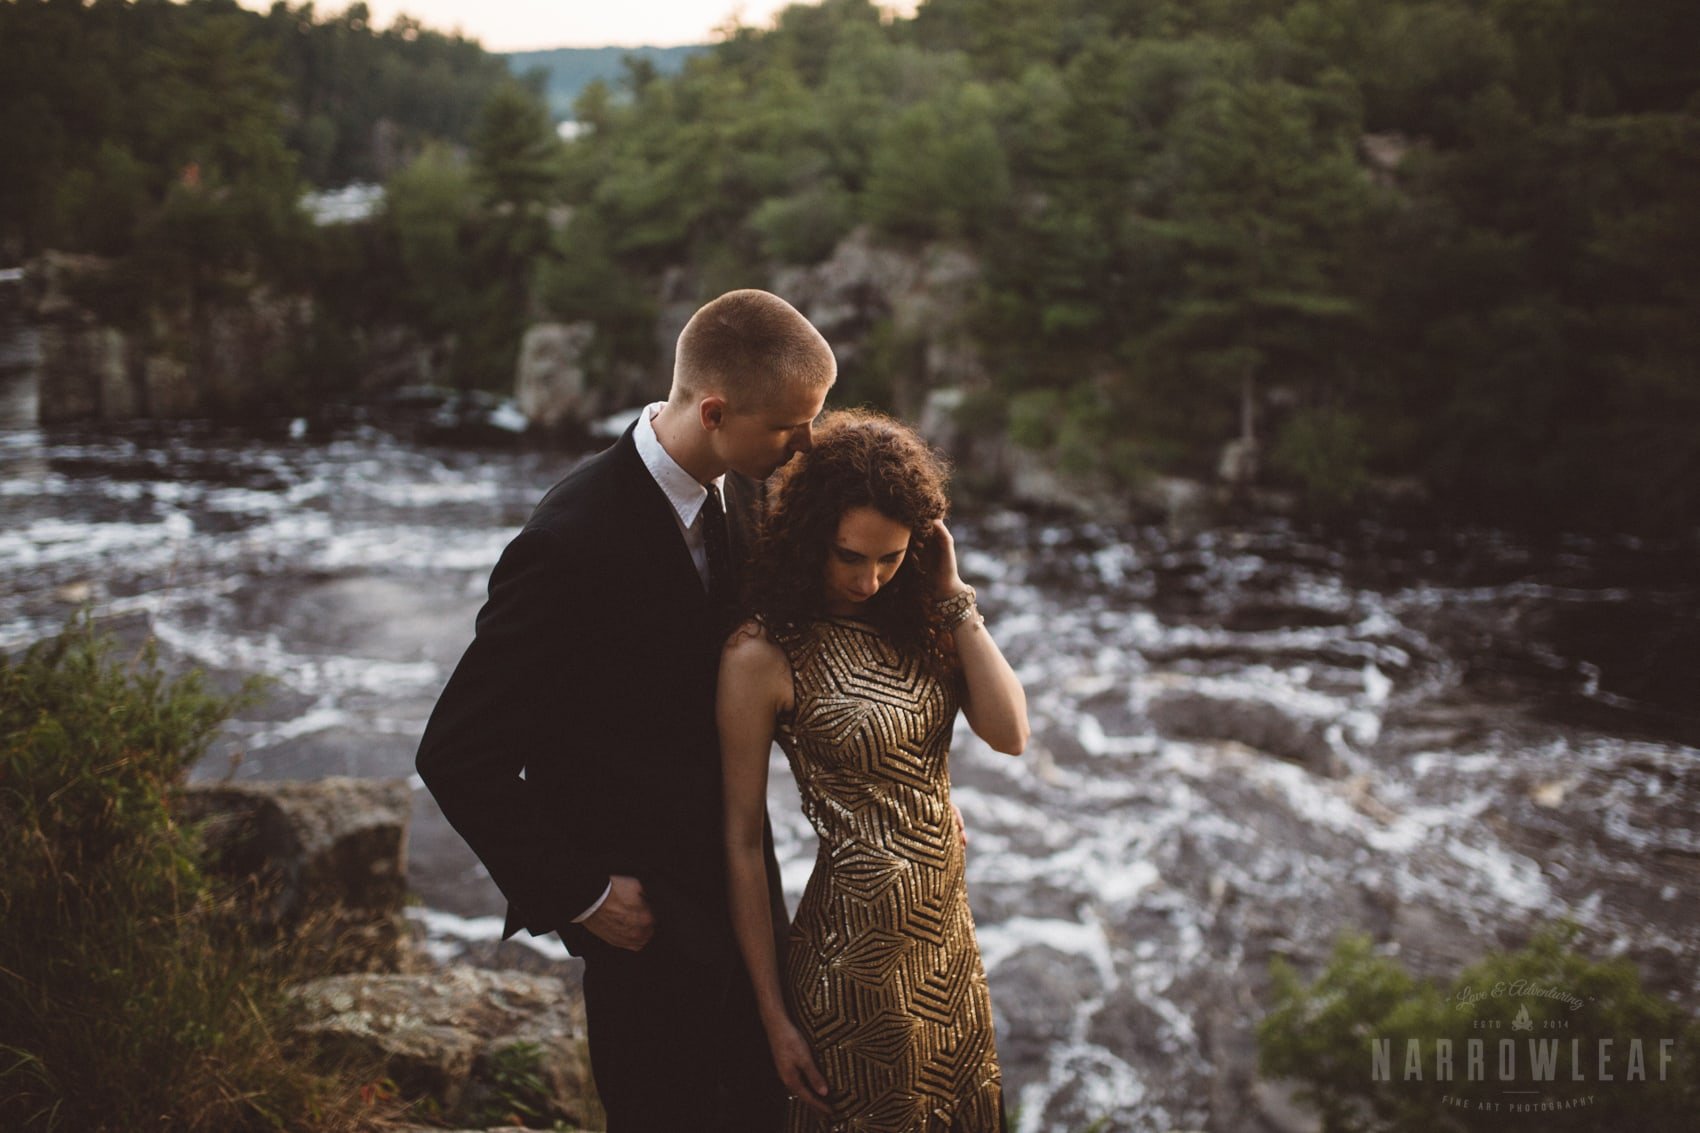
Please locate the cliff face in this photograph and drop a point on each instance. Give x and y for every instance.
(921, 299)
(171, 363)
(248, 350)
(897, 319)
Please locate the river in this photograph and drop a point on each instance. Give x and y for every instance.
(1245, 741)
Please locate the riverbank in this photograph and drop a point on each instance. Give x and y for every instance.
(217, 957)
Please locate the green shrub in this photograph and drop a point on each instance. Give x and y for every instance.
(128, 998)
(804, 227)
(517, 1092)
(1035, 418)
(1326, 453)
(1367, 1044)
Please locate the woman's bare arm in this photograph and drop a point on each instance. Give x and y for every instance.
(755, 687)
(993, 699)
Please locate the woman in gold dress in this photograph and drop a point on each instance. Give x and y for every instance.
(862, 645)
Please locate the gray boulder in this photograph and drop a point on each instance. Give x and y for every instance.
(323, 861)
(551, 386)
(1206, 712)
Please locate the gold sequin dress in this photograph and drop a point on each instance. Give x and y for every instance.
(883, 974)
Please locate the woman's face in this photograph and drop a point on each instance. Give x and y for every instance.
(868, 549)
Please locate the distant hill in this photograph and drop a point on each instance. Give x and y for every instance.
(570, 69)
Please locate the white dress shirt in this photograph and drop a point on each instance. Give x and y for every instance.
(680, 487)
(687, 497)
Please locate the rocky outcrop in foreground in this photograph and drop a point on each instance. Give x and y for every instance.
(324, 864)
(490, 1045)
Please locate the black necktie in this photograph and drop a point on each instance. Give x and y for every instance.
(718, 546)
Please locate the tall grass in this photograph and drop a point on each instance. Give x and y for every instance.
(130, 997)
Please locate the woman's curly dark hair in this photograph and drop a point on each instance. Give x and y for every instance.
(859, 459)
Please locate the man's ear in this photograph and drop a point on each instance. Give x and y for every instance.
(711, 412)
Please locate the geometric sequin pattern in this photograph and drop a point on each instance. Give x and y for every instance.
(883, 974)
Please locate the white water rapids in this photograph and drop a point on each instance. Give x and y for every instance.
(1245, 742)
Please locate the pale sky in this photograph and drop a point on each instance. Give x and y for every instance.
(524, 25)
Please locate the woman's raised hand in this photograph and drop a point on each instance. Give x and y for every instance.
(940, 563)
(992, 697)
(797, 1069)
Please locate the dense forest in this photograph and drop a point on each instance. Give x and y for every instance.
(1449, 240)
(1452, 244)
(178, 139)
(110, 105)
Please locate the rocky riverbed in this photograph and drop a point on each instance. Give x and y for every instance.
(1246, 741)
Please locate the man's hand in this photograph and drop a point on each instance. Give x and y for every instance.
(624, 920)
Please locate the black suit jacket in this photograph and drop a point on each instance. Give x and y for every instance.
(576, 737)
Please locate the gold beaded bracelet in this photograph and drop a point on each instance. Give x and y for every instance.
(956, 609)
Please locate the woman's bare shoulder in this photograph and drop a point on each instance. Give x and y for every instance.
(755, 673)
(751, 650)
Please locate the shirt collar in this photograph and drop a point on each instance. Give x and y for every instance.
(680, 487)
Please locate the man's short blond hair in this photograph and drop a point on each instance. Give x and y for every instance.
(750, 347)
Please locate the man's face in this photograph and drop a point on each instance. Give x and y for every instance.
(757, 441)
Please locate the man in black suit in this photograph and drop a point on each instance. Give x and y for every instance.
(574, 748)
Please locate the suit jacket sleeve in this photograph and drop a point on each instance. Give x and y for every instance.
(508, 706)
